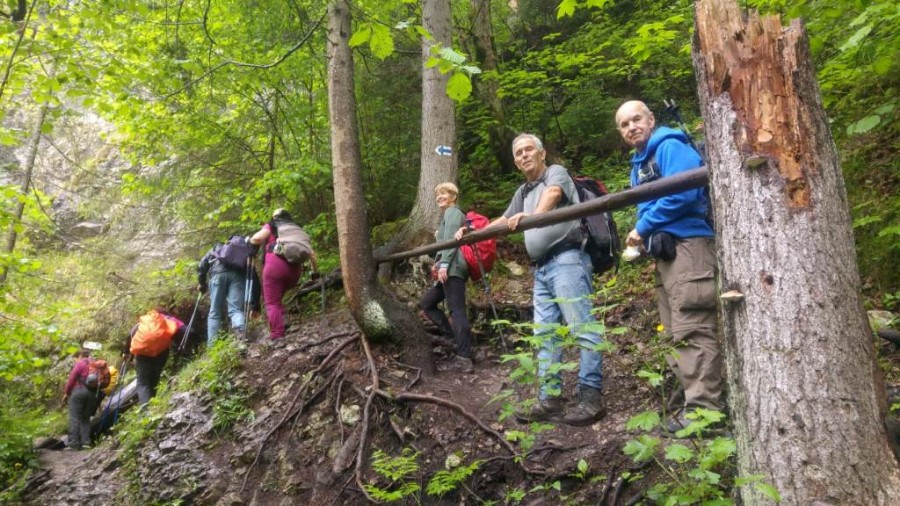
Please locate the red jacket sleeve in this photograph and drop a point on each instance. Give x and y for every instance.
(79, 371)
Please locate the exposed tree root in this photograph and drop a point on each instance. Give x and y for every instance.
(328, 339)
(290, 413)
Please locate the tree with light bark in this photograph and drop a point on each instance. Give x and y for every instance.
(438, 154)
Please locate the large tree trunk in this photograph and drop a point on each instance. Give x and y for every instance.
(804, 385)
(438, 148)
(379, 315)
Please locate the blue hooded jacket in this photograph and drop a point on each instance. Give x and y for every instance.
(683, 214)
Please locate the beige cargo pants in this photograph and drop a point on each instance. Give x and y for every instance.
(686, 291)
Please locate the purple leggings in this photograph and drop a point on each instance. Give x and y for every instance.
(278, 277)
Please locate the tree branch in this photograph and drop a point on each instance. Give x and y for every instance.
(687, 180)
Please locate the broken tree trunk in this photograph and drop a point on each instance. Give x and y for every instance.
(803, 383)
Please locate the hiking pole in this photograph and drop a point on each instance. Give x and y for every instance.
(248, 291)
(673, 110)
(487, 287)
(187, 329)
(121, 387)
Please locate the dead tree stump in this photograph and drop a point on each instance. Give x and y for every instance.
(801, 368)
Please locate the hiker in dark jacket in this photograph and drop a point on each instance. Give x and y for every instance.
(226, 286)
(82, 403)
(450, 272)
(278, 275)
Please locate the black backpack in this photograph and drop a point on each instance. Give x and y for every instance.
(601, 237)
(235, 253)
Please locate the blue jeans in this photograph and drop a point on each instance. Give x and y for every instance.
(226, 296)
(563, 292)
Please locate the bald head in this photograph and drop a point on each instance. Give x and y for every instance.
(635, 123)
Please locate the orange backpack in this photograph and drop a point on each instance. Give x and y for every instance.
(154, 335)
(98, 374)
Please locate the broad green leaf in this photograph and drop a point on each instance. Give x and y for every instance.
(361, 36)
(740, 481)
(866, 220)
(768, 491)
(447, 53)
(459, 87)
(885, 109)
(381, 43)
(679, 453)
(566, 8)
(864, 125)
(582, 466)
(654, 378)
(856, 38)
(892, 230)
(642, 448)
(424, 33)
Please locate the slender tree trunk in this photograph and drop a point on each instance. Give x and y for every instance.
(804, 385)
(438, 148)
(33, 143)
(378, 314)
(499, 135)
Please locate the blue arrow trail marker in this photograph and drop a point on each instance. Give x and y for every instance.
(444, 150)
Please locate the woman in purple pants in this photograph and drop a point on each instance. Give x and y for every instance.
(278, 276)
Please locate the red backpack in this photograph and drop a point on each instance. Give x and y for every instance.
(480, 254)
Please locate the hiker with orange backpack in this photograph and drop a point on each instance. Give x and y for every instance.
(82, 393)
(149, 343)
(450, 273)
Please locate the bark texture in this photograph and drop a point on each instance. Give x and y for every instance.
(379, 315)
(802, 376)
(487, 87)
(438, 129)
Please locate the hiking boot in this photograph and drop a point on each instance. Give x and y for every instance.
(547, 410)
(589, 409)
(443, 342)
(458, 364)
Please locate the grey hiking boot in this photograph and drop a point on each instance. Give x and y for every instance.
(547, 410)
(589, 409)
(459, 364)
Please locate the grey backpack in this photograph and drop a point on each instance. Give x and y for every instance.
(291, 242)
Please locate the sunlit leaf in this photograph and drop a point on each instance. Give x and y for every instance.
(459, 87)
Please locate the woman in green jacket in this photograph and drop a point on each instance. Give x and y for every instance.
(450, 273)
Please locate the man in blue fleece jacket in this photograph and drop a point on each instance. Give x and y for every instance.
(674, 229)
